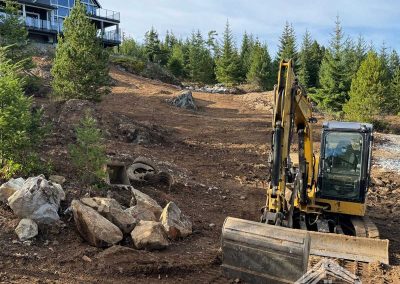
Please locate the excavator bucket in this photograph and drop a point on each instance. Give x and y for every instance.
(349, 247)
(259, 253)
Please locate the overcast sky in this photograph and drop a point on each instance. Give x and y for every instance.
(377, 20)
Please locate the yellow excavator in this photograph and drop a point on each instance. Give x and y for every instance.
(315, 204)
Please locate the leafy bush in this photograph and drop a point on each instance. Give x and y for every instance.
(130, 64)
(21, 129)
(155, 71)
(88, 154)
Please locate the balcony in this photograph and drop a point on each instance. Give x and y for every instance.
(111, 37)
(104, 14)
(42, 25)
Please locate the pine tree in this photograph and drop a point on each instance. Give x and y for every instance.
(152, 45)
(394, 104)
(287, 48)
(260, 67)
(316, 54)
(176, 61)
(80, 67)
(212, 43)
(367, 90)
(305, 61)
(394, 63)
(385, 58)
(132, 48)
(333, 74)
(20, 129)
(13, 32)
(245, 53)
(228, 69)
(88, 154)
(201, 64)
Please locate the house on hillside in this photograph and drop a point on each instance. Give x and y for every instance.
(44, 19)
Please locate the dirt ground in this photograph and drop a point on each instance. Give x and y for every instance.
(218, 157)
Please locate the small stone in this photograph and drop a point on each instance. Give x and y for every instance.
(9, 188)
(144, 200)
(55, 243)
(149, 235)
(223, 197)
(377, 181)
(57, 179)
(242, 197)
(86, 258)
(141, 213)
(26, 229)
(46, 242)
(176, 224)
(211, 225)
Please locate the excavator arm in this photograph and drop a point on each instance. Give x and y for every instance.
(292, 116)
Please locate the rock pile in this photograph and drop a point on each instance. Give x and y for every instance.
(103, 222)
(35, 200)
(216, 89)
(184, 100)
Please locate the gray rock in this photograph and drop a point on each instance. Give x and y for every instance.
(141, 213)
(9, 188)
(57, 179)
(149, 235)
(184, 100)
(175, 223)
(112, 211)
(38, 200)
(93, 227)
(26, 229)
(146, 201)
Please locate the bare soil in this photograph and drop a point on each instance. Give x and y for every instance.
(218, 157)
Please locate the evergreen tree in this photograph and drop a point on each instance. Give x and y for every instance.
(305, 61)
(80, 68)
(245, 53)
(152, 45)
(88, 154)
(260, 67)
(130, 47)
(201, 64)
(367, 90)
(316, 55)
(287, 48)
(228, 69)
(333, 74)
(212, 43)
(176, 61)
(20, 129)
(13, 31)
(385, 58)
(394, 101)
(394, 63)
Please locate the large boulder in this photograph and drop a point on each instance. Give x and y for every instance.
(141, 213)
(9, 188)
(26, 229)
(184, 100)
(149, 235)
(176, 224)
(112, 211)
(93, 227)
(38, 200)
(143, 200)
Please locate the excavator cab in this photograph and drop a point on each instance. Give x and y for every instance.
(345, 161)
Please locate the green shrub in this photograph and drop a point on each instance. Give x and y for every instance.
(130, 64)
(21, 129)
(157, 72)
(88, 154)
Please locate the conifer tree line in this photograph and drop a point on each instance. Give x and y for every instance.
(329, 73)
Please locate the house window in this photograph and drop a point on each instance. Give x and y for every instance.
(63, 3)
(63, 12)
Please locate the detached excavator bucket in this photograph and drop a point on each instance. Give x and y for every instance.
(260, 253)
(349, 247)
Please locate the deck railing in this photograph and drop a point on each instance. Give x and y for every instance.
(104, 13)
(42, 24)
(113, 35)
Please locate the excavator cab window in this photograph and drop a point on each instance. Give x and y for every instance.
(341, 167)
